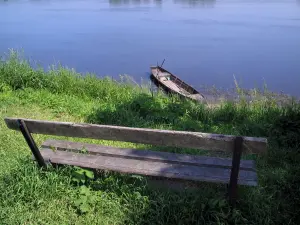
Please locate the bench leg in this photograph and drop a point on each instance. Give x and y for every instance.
(236, 159)
(31, 143)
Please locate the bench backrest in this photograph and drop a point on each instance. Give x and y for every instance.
(182, 139)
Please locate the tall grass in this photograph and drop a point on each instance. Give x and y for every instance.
(17, 73)
(40, 197)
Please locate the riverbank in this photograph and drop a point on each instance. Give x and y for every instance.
(34, 196)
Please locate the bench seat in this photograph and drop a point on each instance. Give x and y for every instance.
(145, 162)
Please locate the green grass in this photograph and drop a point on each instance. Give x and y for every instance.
(33, 196)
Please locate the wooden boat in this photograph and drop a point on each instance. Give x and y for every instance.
(173, 84)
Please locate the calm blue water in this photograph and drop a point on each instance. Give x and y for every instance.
(205, 42)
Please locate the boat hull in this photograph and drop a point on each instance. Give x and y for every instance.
(172, 84)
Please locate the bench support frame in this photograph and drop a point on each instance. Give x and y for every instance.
(31, 143)
(236, 159)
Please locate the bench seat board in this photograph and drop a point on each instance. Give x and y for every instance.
(151, 163)
(146, 154)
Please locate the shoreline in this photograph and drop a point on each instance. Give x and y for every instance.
(213, 94)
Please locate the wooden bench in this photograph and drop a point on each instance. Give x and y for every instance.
(232, 171)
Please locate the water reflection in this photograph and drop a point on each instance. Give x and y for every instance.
(130, 2)
(195, 2)
(160, 2)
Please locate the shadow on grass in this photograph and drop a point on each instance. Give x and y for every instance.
(171, 113)
(148, 204)
(261, 119)
(275, 201)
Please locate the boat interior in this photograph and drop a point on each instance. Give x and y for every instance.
(166, 79)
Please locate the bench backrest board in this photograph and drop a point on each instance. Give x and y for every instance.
(182, 139)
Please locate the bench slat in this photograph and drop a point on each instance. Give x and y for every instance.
(149, 168)
(182, 139)
(146, 154)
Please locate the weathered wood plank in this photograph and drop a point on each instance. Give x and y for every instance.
(149, 168)
(183, 139)
(146, 155)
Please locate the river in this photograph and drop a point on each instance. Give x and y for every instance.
(205, 42)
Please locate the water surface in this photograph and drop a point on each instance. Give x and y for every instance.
(205, 42)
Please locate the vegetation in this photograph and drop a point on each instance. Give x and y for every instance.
(74, 196)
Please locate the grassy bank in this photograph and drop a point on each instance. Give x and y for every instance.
(31, 196)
